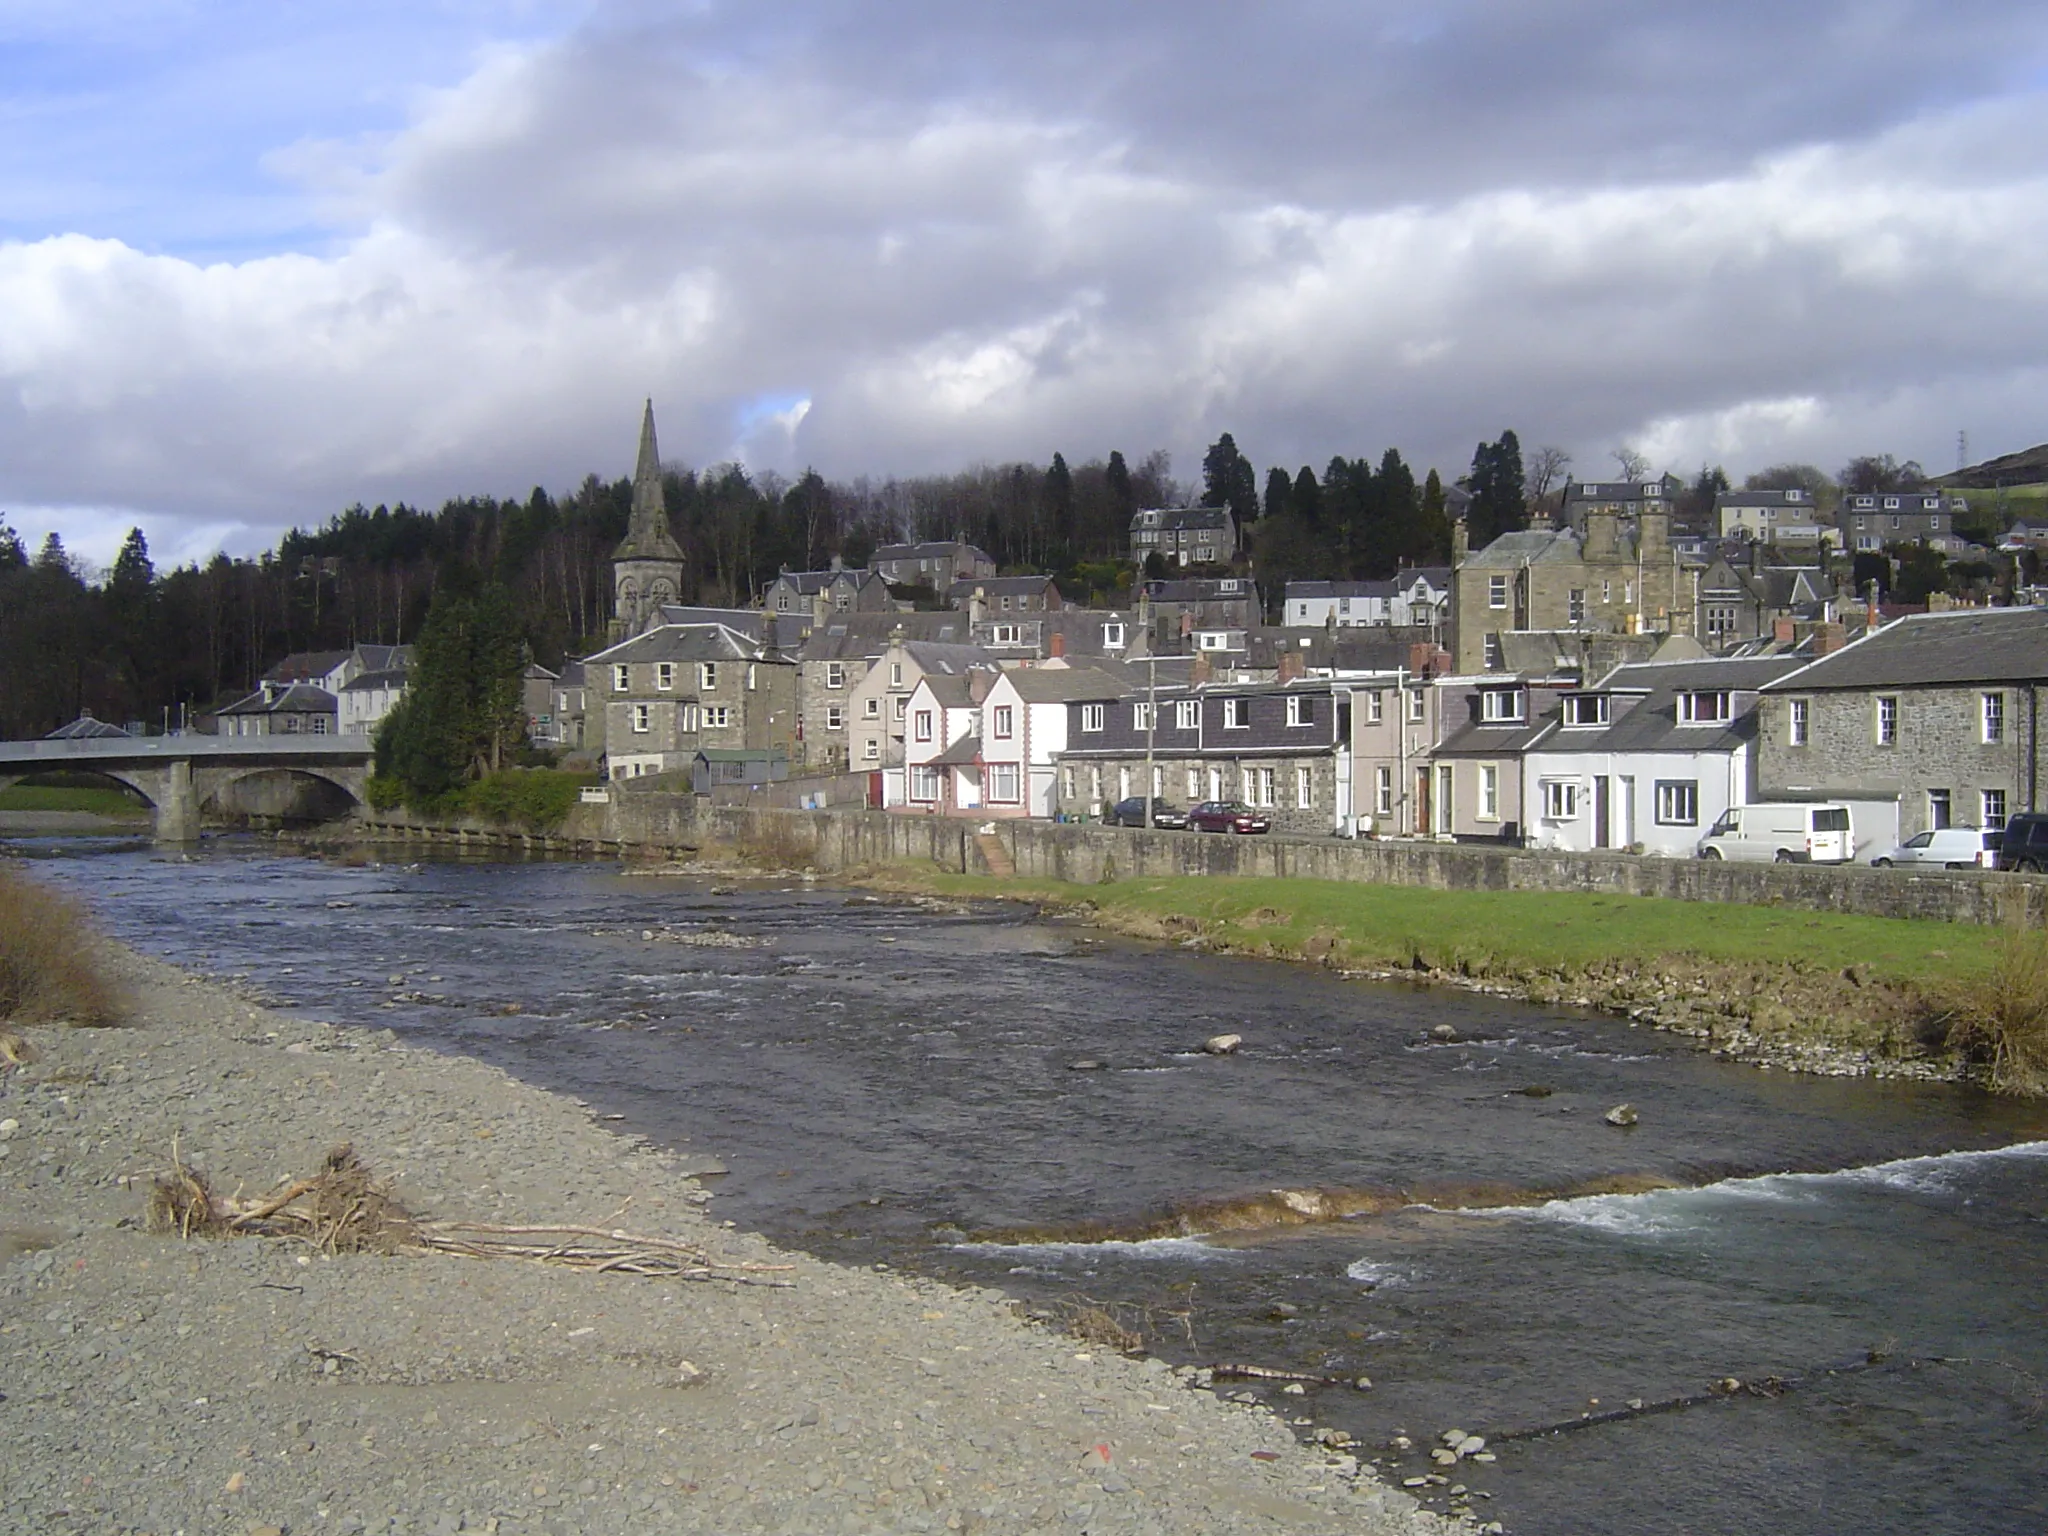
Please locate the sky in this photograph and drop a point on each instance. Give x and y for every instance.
(259, 261)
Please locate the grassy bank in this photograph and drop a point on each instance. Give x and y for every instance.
(1818, 991)
(98, 800)
(537, 799)
(51, 966)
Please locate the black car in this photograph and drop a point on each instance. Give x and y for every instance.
(1131, 813)
(2026, 842)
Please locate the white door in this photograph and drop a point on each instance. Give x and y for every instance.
(1627, 784)
(1444, 821)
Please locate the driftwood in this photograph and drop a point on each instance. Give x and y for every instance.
(1729, 1388)
(1267, 1373)
(344, 1208)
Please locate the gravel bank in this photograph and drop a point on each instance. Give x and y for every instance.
(251, 1386)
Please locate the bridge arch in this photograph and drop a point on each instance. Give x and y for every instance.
(279, 793)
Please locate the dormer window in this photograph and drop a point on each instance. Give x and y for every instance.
(1704, 707)
(1112, 637)
(1502, 706)
(1586, 709)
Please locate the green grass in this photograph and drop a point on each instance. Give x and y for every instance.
(1499, 932)
(98, 800)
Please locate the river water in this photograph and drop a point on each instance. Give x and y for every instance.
(889, 1083)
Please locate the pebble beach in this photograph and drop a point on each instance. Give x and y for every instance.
(258, 1385)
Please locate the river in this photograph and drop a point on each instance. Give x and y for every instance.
(983, 1095)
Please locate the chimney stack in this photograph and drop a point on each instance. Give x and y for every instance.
(1057, 647)
(1829, 638)
(1784, 630)
(1603, 539)
(1292, 664)
(1201, 671)
(1461, 542)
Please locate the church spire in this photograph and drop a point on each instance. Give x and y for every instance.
(647, 535)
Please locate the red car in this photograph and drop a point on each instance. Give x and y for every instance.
(1226, 816)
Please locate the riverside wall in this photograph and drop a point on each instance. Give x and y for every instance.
(670, 825)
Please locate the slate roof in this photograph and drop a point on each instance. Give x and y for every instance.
(1480, 738)
(954, 691)
(949, 660)
(937, 550)
(965, 751)
(683, 642)
(1930, 650)
(1060, 685)
(364, 682)
(304, 666)
(383, 658)
(298, 699)
(867, 635)
(811, 583)
(85, 728)
(1531, 546)
(998, 586)
(1652, 725)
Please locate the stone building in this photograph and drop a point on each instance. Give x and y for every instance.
(647, 567)
(838, 589)
(1617, 577)
(667, 694)
(1929, 722)
(1283, 749)
(1184, 535)
(937, 565)
(834, 659)
(877, 704)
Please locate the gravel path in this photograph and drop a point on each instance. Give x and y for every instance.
(250, 1386)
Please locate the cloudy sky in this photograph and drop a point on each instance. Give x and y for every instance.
(258, 261)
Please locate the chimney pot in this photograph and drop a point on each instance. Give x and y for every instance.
(1058, 646)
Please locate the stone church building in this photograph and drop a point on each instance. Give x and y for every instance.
(647, 567)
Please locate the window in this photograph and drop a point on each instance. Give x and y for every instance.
(1002, 634)
(895, 674)
(1300, 711)
(1187, 714)
(664, 675)
(1418, 705)
(1005, 721)
(708, 675)
(1258, 785)
(835, 717)
(1002, 783)
(1006, 602)
(1237, 714)
(871, 709)
(1501, 706)
(782, 601)
(1067, 782)
(835, 674)
(620, 678)
(1158, 782)
(1489, 793)
(1887, 722)
(924, 783)
(319, 726)
(640, 713)
(1091, 717)
(1375, 707)
(1112, 637)
(1720, 621)
(1585, 709)
(1194, 784)
(1141, 717)
(1490, 656)
(1560, 800)
(1305, 788)
(871, 749)
(1496, 591)
(902, 705)
(1575, 606)
(1994, 717)
(1606, 591)
(686, 719)
(1383, 790)
(1212, 640)
(1678, 803)
(1994, 809)
(924, 725)
(1703, 708)
(717, 716)
(1795, 722)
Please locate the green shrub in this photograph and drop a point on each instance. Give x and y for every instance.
(535, 798)
(385, 793)
(2001, 1020)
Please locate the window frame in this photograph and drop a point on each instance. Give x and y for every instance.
(1497, 593)
(1719, 707)
(1560, 799)
(1003, 722)
(1489, 793)
(1092, 716)
(1677, 803)
(1885, 719)
(1237, 713)
(664, 676)
(641, 716)
(1991, 714)
(921, 725)
(1187, 714)
(1798, 722)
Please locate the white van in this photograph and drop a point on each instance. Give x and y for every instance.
(1784, 834)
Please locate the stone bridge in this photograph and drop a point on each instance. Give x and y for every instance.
(181, 776)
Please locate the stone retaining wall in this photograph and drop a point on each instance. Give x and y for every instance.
(663, 824)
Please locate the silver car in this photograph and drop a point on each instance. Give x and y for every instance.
(1946, 848)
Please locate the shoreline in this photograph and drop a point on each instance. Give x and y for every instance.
(1717, 1007)
(258, 1384)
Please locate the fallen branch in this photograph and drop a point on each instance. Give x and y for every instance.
(1729, 1388)
(1267, 1373)
(344, 1209)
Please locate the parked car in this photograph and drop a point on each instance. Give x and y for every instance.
(1785, 833)
(1227, 816)
(1131, 813)
(1947, 847)
(2024, 843)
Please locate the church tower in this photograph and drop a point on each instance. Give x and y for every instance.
(647, 567)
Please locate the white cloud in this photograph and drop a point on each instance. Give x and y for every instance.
(807, 264)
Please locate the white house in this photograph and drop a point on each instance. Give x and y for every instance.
(1414, 597)
(1024, 730)
(942, 743)
(1648, 757)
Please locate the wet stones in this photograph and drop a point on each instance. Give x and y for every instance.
(1622, 1116)
(1222, 1045)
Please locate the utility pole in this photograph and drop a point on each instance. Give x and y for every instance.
(1151, 725)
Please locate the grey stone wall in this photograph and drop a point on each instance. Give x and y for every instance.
(1940, 746)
